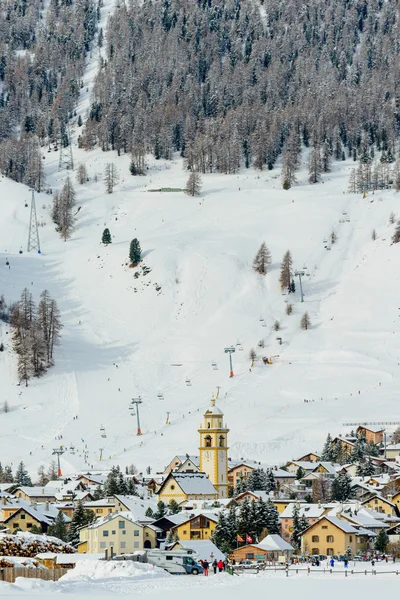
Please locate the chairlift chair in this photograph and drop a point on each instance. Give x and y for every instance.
(214, 366)
(102, 432)
(187, 381)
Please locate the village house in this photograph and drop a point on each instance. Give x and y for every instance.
(271, 549)
(344, 446)
(310, 457)
(380, 504)
(197, 527)
(372, 435)
(182, 487)
(25, 516)
(308, 467)
(189, 463)
(35, 494)
(392, 451)
(312, 512)
(238, 473)
(333, 536)
(118, 533)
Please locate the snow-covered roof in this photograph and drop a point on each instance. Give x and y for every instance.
(128, 516)
(342, 524)
(137, 506)
(277, 473)
(304, 464)
(184, 457)
(212, 516)
(332, 468)
(274, 543)
(203, 548)
(194, 483)
(372, 428)
(311, 511)
(35, 491)
(46, 512)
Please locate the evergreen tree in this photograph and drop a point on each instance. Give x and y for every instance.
(80, 518)
(314, 165)
(262, 260)
(232, 526)
(22, 476)
(174, 508)
(221, 536)
(106, 237)
(369, 468)
(286, 272)
(161, 510)
(381, 541)
(300, 473)
(257, 480)
(273, 522)
(8, 475)
(36, 530)
(135, 252)
(111, 177)
(149, 512)
(341, 488)
(270, 484)
(112, 482)
(328, 452)
(300, 524)
(59, 529)
(43, 479)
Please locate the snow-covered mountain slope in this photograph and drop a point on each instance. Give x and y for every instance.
(125, 337)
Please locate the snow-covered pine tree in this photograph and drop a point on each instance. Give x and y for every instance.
(173, 507)
(300, 524)
(328, 451)
(106, 237)
(111, 177)
(21, 476)
(341, 488)
(135, 252)
(257, 480)
(80, 518)
(270, 484)
(262, 260)
(59, 529)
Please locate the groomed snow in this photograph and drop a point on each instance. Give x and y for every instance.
(200, 252)
(303, 586)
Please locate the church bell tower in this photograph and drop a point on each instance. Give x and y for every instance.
(214, 449)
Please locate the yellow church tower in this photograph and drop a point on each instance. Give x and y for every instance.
(214, 449)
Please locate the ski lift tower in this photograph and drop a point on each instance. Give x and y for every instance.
(230, 351)
(300, 274)
(58, 452)
(136, 402)
(33, 236)
(66, 159)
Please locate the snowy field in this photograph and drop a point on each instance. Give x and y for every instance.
(302, 586)
(123, 338)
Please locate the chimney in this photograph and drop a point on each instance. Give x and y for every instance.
(47, 506)
(4, 500)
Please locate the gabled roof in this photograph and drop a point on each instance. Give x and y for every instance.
(379, 498)
(371, 428)
(208, 515)
(137, 506)
(330, 467)
(40, 517)
(35, 491)
(311, 511)
(192, 483)
(111, 517)
(274, 543)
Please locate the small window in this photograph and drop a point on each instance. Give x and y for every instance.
(103, 544)
(250, 556)
(16, 525)
(136, 544)
(29, 525)
(185, 532)
(22, 516)
(315, 551)
(105, 533)
(324, 526)
(351, 538)
(121, 524)
(315, 538)
(172, 487)
(124, 532)
(136, 533)
(329, 538)
(98, 511)
(123, 545)
(169, 557)
(329, 551)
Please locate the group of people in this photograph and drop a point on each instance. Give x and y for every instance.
(217, 566)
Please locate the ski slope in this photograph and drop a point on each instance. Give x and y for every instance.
(122, 338)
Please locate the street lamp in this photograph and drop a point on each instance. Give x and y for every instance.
(230, 351)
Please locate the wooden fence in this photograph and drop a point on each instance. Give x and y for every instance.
(10, 574)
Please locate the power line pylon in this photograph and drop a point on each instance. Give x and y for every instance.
(66, 159)
(33, 237)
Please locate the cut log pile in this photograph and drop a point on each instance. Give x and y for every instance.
(29, 545)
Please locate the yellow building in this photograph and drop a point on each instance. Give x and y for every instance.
(199, 527)
(182, 487)
(380, 504)
(396, 501)
(214, 449)
(333, 536)
(117, 532)
(41, 516)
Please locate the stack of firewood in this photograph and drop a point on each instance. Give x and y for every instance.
(30, 545)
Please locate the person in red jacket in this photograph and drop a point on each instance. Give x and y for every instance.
(220, 566)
